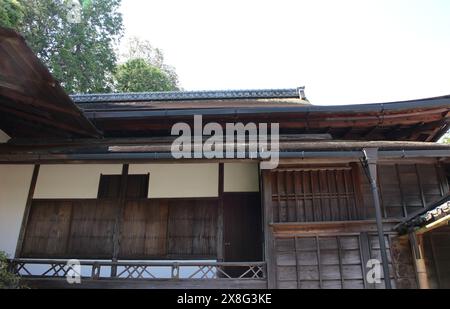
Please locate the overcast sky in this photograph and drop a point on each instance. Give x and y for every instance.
(343, 51)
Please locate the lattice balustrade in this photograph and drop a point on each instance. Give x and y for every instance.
(139, 270)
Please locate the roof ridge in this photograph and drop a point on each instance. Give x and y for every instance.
(190, 95)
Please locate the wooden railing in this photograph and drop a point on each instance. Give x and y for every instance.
(97, 270)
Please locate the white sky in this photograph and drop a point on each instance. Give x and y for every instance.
(343, 51)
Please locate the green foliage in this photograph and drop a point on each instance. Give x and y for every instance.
(137, 75)
(7, 279)
(11, 13)
(76, 40)
(79, 52)
(142, 49)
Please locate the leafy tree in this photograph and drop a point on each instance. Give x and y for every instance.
(137, 75)
(75, 40)
(11, 13)
(154, 57)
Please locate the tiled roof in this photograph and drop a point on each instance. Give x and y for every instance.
(191, 95)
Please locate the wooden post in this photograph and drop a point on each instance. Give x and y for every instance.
(269, 241)
(26, 213)
(371, 158)
(416, 242)
(220, 226)
(119, 217)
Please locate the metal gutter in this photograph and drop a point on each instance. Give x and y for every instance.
(402, 154)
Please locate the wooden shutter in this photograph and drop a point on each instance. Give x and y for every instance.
(144, 230)
(192, 228)
(70, 229)
(149, 229)
(48, 230)
(314, 195)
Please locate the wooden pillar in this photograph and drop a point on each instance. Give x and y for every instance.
(269, 241)
(26, 213)
(119, 217)
(416, 242)
(371, 158)
(220, 225)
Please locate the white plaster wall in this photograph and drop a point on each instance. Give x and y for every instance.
(72, 181)
(180, 180)
(15, 183)
(3, 137)
(241, 177)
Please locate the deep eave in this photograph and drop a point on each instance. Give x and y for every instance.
(34, 106)
(414, 120)
(32, 103)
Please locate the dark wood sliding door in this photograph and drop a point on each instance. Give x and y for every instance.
(242, 227)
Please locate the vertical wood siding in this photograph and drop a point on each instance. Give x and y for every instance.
(405, 188)
(339, 262)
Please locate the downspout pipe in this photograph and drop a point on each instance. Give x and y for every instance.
(370, 160)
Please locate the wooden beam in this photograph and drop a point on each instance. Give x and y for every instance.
(119, 217)
(26, 213)
(220, 218)
(416, 242)
(269, 241)
(330, 227)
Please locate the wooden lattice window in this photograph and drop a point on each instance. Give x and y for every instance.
(314, 194)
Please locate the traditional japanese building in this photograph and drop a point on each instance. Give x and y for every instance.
(94, 178)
